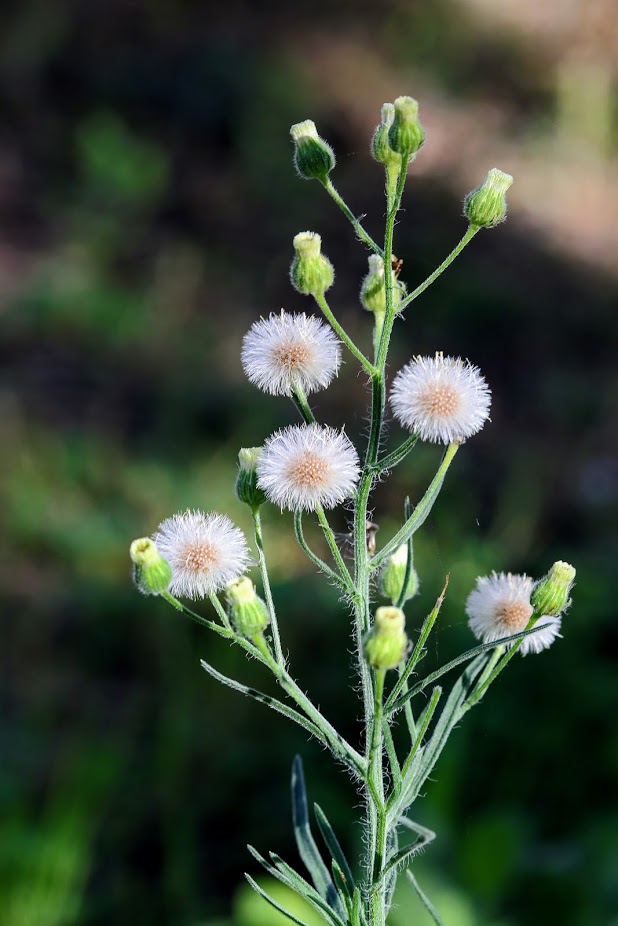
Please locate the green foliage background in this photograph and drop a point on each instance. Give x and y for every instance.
(147, 207)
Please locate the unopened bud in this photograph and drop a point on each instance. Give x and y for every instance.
(406, 134)
(386, 642)
(248, 613)
(247, 490)
(311, 273)
(373, 287)
(486, 206)
(550, 596)
(151, 573)
(313, 157)
(380, 145)
(394, 573)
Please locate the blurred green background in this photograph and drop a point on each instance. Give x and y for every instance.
(147, 207)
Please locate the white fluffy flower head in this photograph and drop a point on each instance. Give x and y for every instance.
(442, 399)
(205, 551)
(500, 606)
(304, 466)
(285, 351)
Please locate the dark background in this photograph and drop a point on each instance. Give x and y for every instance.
(147, 208)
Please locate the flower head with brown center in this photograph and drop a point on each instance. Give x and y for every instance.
(500, 606)
(205, 551)
(305, 466)
(285, 351)
(442, 399)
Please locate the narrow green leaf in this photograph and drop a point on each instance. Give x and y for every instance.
(333, 845)
(408, 852)
(286, 874)
(342, 885)
(259, 890)
(263, 698)
(449, 717)
(302, 887)
(425, 900)
(469, 654)
(307, 847)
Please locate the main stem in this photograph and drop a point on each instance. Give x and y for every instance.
(373, 684)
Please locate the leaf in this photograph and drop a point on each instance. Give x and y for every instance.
(333, 845)
(425, 900)
(307, 847)
(449, 717)
(408, 852)
(259, 890)
(286, 874)
(271, 702)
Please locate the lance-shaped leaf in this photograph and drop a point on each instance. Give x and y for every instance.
(286, 874)
(333, 845)
(425, 900)
(260, 890)
(307, 848)
(449, 717)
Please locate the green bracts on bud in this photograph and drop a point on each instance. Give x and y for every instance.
(486, 206)
(313, 157)
(373, 288)
(393, 576)
(386, 642)
(550, 596)
(247, 490)
(248, 613)
(151, 573)
(406, 135)
(380, 145)
(311, 273)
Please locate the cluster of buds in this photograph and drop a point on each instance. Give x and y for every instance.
(399, 134)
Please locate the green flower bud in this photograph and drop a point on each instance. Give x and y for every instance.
(151, 573)
(248, 613)
(311, 273)
(247, 490)
(394, 573)
(313, 157)
(486, 206)
(380, 145)
(550, 596)
(373, 288)
(406, 135)
(386, 642)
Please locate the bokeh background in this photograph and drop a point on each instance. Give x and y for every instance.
(147, 207)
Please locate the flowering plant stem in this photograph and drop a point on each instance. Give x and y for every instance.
(310, 468)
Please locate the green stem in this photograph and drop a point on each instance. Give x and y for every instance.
(401, 452)
(300, 401)
(225, 631)
(378, 831)
(334, 549)
(300, 537)
(421, 511)
(469, 235)
(391, 309)
(332, 738)
(347, 340)
(358, 228)
(274, 626)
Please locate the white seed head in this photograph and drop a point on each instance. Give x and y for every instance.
(304, 466)
(442, 399)
(500, 606)
(205, 551)
(284, 351)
